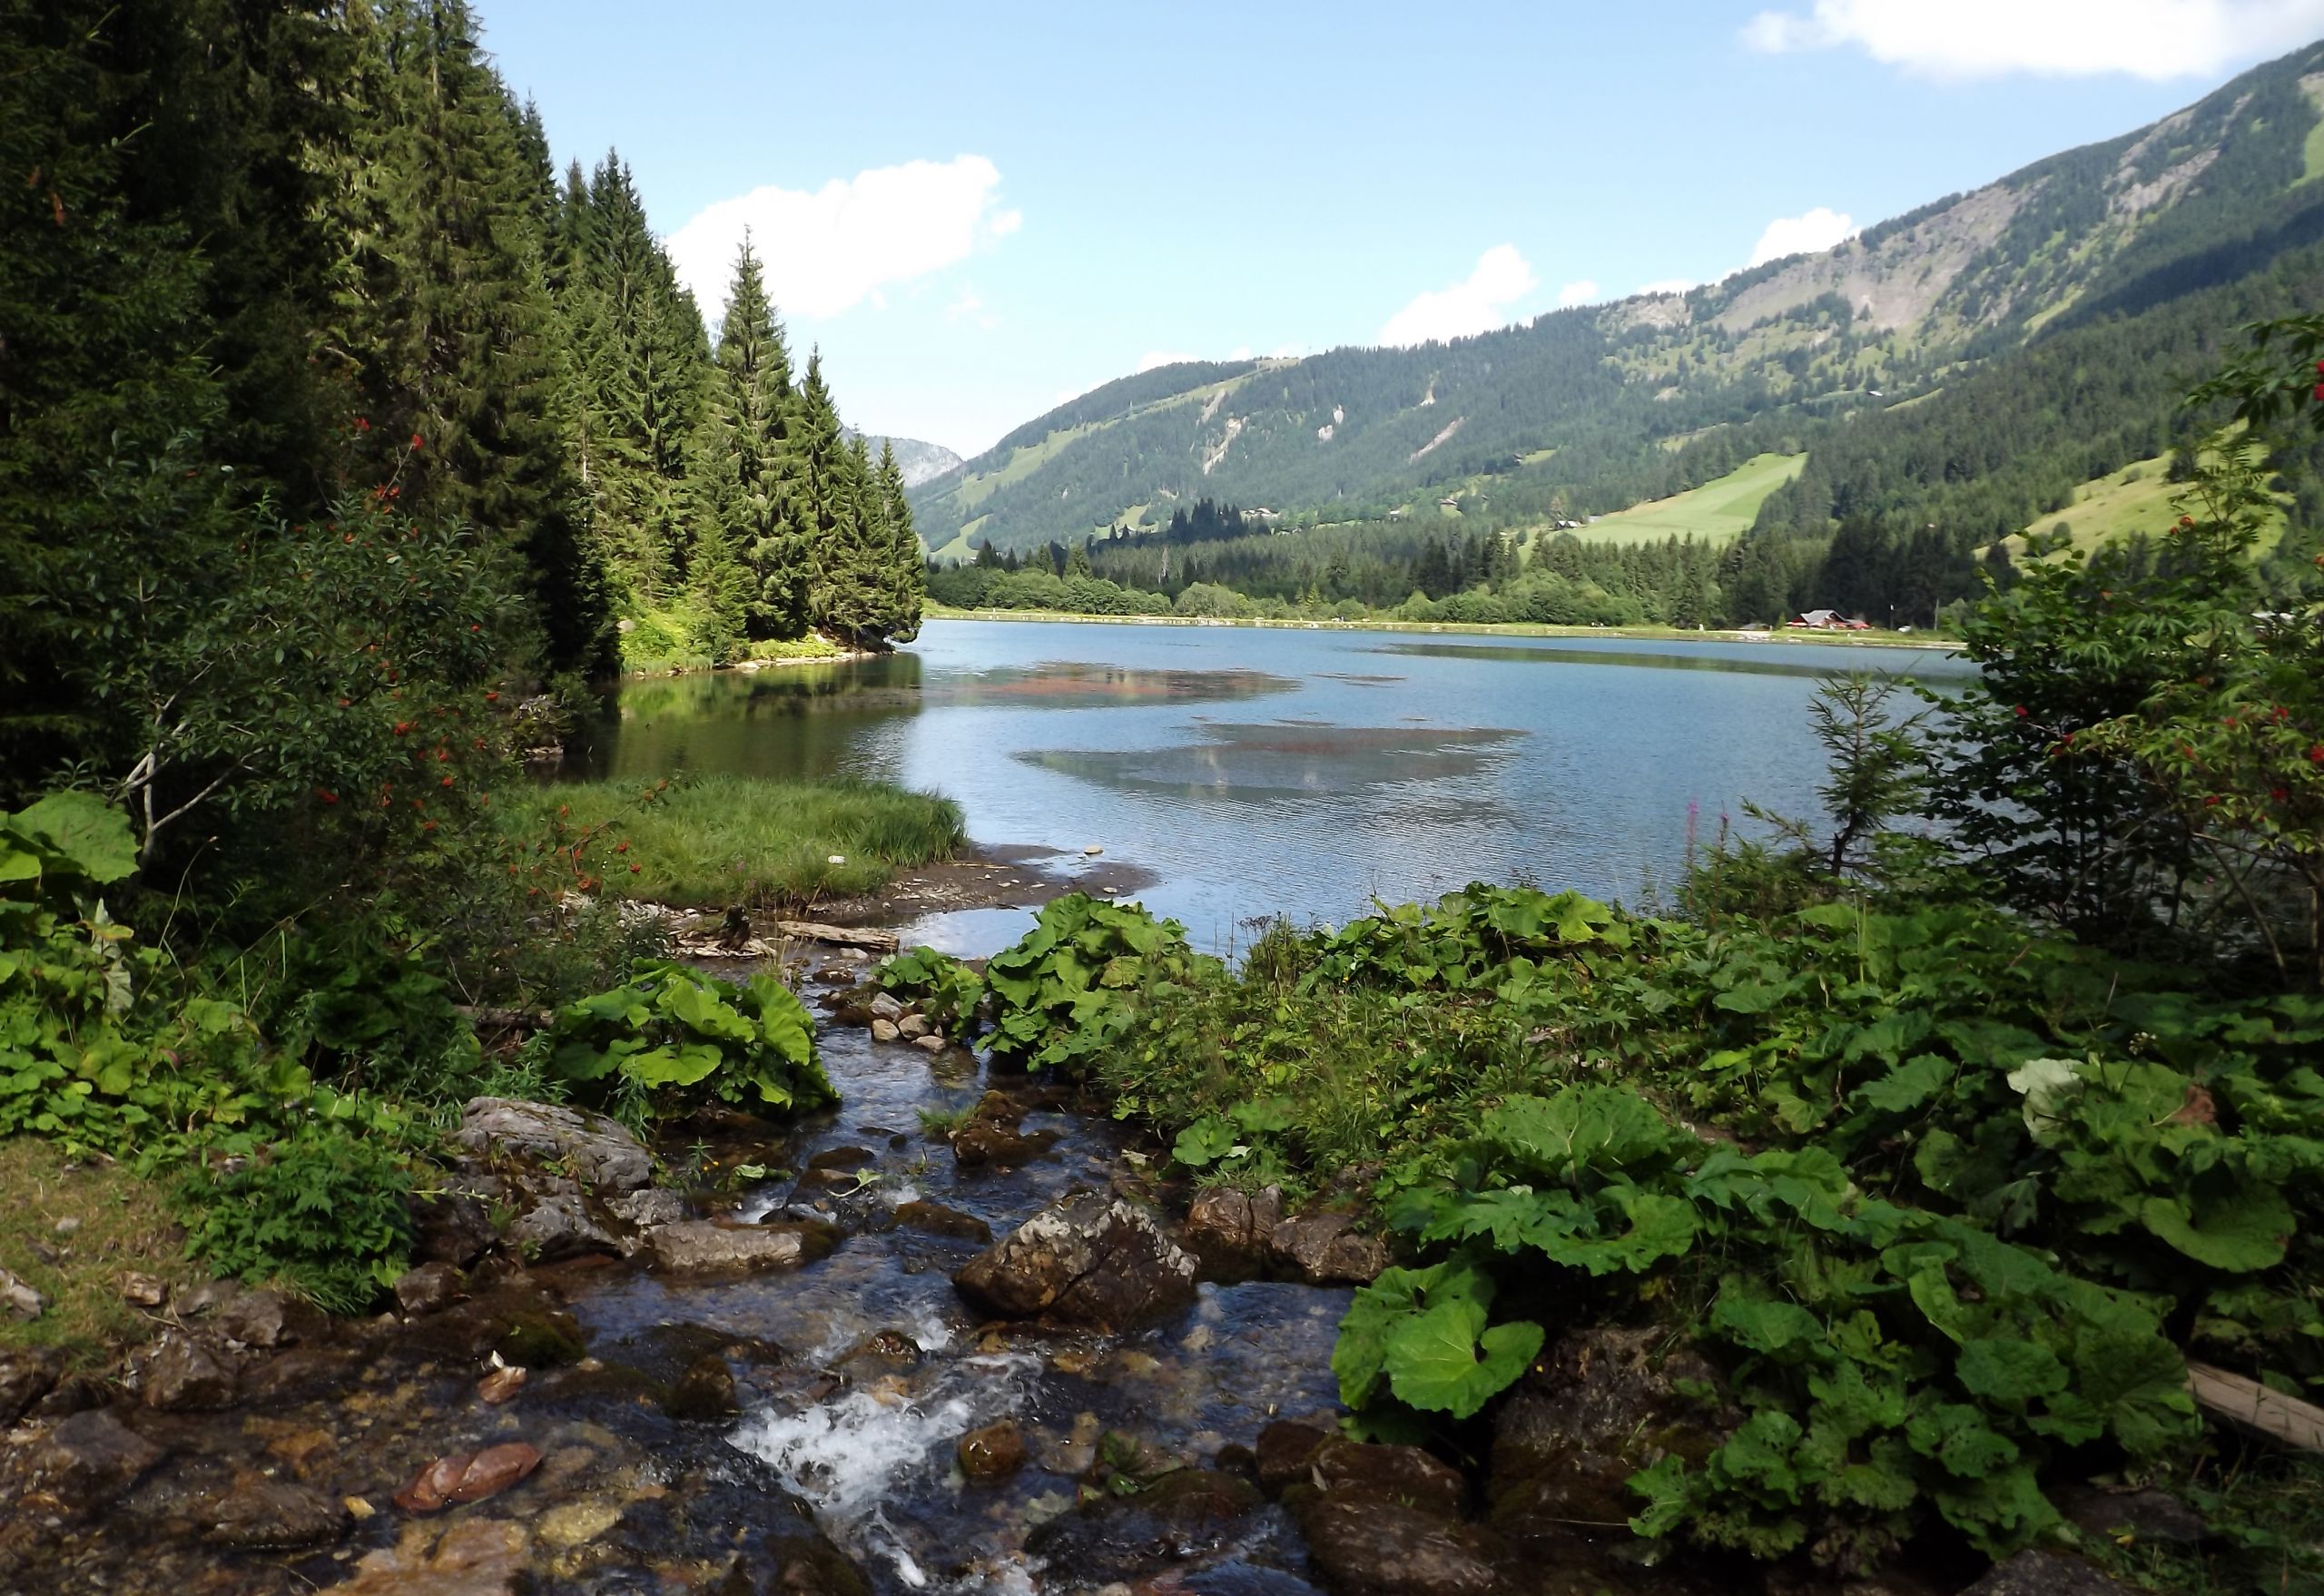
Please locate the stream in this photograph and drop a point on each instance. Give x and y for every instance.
(855, 1377)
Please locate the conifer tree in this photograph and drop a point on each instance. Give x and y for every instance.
(907, 575)
(756, 463)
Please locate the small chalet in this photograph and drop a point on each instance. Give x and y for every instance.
(1826, 620)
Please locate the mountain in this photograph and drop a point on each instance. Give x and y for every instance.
(1590, 410)
(920, 462)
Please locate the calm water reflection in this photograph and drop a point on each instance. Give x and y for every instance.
(1259, 772)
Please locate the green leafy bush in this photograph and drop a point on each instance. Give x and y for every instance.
(945, 989)
(677, 1037)
(321, 1209)
(1070, 986)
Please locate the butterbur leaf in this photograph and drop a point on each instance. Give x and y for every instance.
(2242, 1229)
(1376, 1309)
(2010, 1372)
(1908, 1086)
(1957, 1436)
(1764, 1326)
(1204, 1142)
(80, 832)
(1445, 1361)
(1664, 1486)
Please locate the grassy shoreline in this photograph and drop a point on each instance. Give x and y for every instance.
(726, 840)
(1872, 639)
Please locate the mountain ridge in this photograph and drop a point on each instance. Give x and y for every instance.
(1590, 409)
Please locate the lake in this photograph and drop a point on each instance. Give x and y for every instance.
(1257, 772)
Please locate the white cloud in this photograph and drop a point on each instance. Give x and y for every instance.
(1487, 300)
(1577, 293)
(1816, 231)
(827, 251)
(2152, 39)
(968, 305)
(1665, 285)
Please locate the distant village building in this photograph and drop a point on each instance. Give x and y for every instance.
(1826, 620)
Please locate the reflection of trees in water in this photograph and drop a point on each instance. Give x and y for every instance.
(1901, 663)
(1260, 763)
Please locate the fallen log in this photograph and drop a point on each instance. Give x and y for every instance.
(2250, 1405)
(841, 936)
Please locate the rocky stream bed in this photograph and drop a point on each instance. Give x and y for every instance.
(993, 1357)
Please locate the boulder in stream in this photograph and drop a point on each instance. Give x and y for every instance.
(1229, 1231)
(702, 1246)
(474, 1557)
(88, 1460)
(1093, 1259)
(1326, 1249)
(184, 1375)
(259, 1515)
(599, 1151)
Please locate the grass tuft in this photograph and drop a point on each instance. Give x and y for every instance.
(117, 1224)
(726, 840)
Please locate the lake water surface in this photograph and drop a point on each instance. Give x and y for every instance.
(1263, 771)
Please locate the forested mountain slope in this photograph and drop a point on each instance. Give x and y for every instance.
(2078, 294)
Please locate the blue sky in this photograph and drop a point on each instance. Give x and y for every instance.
(979, 211)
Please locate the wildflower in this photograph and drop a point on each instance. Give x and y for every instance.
(2229, 723)
(2021, 712)
(621, 847)
(2316, 393)
(362, 424)
(2211, 801)
(403, 728)
(2278, 793)
(2315, 755)
(635, 868)
(492, 698)
(347, 703)
(427, 825)
(446, 781)
(415, 443)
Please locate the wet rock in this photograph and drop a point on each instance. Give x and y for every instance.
(299, 1374)
(931, 1043)
(2143, 1515)
(2045, 1573)
(1366, 1546)
(992, 1452)
(560, 1225)
(939, 1220)
(656, 1205)
(884, 1030)
(841, 1158)
(705, 1391)
(880, 1353)
(88, 1460)
(914, 1026)
(467, 1477)
(501, 1385)
(597, 1149)
(454, 1227)
(429, 1288)
(1327, 1250)
(1404, 1474)
(475, 1557)
(700, 1246)
(990, 1135)
(1228, 1231)
(265, 1319)
(1091, 1259)
(186, 1375)
(576, 1523)
(1181, 1517)
(18, 1300)
(72, 1393)
(885, 1006)
(539, 1338)
(26, 1374)
(262, 1514)
(1283, 1451)
(801, 1563)
(1598, 1407)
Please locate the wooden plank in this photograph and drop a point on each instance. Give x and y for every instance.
(2250, 1405)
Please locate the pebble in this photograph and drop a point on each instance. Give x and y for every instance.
(1091, 851)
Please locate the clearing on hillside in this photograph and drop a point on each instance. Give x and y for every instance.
(1719, 510)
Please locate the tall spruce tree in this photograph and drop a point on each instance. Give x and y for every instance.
(907, 577)
(755, 465)
(442, 314)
